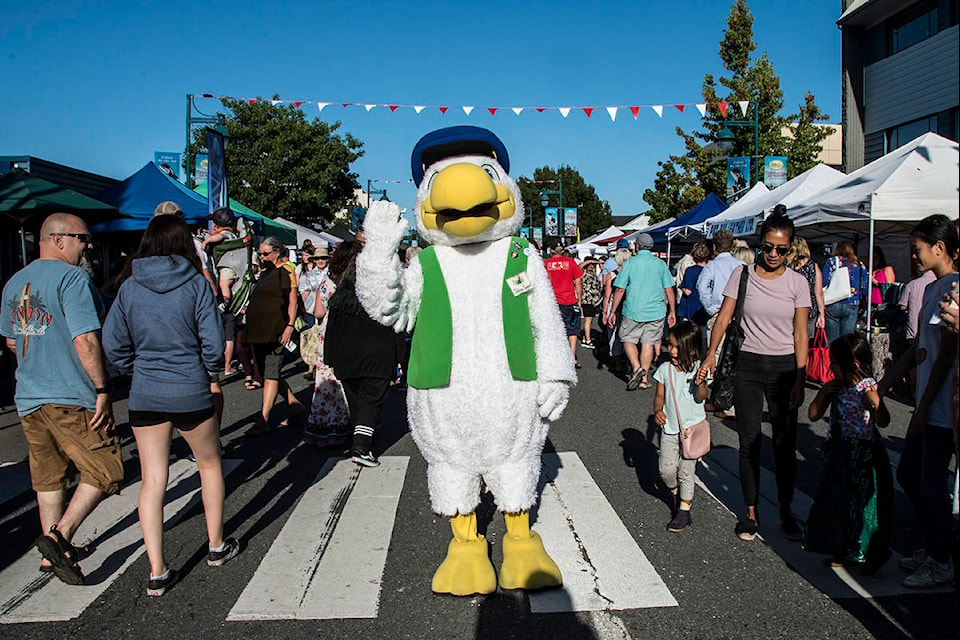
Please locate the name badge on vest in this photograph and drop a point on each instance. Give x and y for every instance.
(519, 284)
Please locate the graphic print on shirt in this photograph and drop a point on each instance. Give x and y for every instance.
(28, 317)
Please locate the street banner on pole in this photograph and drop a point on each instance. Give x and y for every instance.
(774, 171)
(570, 222)
(357, 215)
(525, 232)
(169, 162)
(738, 178)
(200, 168)
(551, 221)
(538, 235)
(216, 172)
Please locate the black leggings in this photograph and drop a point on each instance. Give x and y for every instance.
(770, 377)
(365, 397)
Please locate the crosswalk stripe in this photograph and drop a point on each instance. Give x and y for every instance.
(602, 566)
(719, 475)
(335, 572)
(29, 596)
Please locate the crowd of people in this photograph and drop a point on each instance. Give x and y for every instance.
(229, 306)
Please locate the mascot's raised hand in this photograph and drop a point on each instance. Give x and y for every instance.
(490, 363)
(381, 289)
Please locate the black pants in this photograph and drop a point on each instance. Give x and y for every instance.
(365, 397)
(770, 377)
(924, 473)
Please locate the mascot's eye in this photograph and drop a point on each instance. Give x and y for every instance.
(491, 171)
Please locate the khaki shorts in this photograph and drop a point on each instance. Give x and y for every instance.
(641, 332)
(61, 443)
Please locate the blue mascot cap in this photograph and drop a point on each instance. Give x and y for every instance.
(456, 141)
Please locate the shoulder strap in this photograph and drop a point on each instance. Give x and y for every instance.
(738, 313)
(676, 405)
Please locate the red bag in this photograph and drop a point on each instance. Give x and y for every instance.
(818, 361)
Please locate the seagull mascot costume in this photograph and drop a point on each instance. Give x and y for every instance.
(490, 364)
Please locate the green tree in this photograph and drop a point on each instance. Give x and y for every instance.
(685, 179)
(278, 164)
(593, 214)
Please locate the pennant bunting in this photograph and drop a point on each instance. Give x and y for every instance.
(393, 107)
(613, 113)
(680, 107)
(418, 108)
(658, 109)
(275, 102)
(369, 107)
(539, 109)
(723, 108)
(744, 104)
(296, 105)
(702, 108)
(443, 109)
(588, 111)
(321, 105)
(564, 111)
(467, 110)
(252, 100)
(517, 110)
(492, 110)
(635, 111)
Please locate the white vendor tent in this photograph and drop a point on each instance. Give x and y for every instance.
(890, 194)
(318, 238)
(744, 216)
(887, 196)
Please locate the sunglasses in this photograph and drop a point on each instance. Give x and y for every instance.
(264, 254)
(774, 249)
(85, 238)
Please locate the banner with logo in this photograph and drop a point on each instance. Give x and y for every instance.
(356, 218)
(169, 162)
(216, 172)
(538, 235)
(738, 178)
(774, 171)
(525, 232)
(551, 221)
(570, 222)
(200, 168)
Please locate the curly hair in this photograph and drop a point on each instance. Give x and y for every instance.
(343, 256)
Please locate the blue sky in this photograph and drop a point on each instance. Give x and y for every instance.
(101, 85)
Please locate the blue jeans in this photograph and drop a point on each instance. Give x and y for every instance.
(841, 319)
(924, 472)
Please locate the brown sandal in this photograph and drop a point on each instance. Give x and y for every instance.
(62, 557)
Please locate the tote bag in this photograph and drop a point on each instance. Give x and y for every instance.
(838, 289)
(725, 378)
(818, 363)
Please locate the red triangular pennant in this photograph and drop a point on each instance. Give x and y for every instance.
(443, 109)
(251, 100)
(206, 95)
(296, 105)
(635, 111)
(723, 108)
(539, 109)
(492, 110)
(394, 107)
(588, 111)
(345, 104)
(679, 107)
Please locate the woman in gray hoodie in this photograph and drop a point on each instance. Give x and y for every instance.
(164, 329)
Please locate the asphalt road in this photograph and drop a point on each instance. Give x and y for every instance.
(722, 587)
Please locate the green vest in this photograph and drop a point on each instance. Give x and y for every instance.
(431, 352)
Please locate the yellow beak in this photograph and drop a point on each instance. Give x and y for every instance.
(464, 201)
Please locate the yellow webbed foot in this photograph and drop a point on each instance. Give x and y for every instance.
(526, 564)
(467, 568)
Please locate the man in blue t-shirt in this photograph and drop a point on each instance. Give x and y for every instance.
(646, 288)
(51, 321)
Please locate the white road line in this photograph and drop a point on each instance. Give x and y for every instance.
(719, 475)
(29, 596)
(603, 568)
(328, 560)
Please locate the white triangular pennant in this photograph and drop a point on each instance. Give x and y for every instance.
(517, 110)
(613, 113)
(368, 107)
(564, 111)
(744, 104)
(418, 108)
(657, 109)
(321, 105)
(275, 102)
(467, 110)
(702, 108)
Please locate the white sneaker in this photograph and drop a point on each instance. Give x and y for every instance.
(913, 562)
(929, 574)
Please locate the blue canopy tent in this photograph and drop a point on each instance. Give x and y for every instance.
(708, 207)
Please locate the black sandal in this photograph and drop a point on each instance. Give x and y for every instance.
(62, 558)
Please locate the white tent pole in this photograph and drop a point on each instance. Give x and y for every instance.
(668, 249)
(870, 279)
(23, 245)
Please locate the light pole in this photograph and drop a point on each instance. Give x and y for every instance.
(725, 138)
(371, 190)
(192, 120)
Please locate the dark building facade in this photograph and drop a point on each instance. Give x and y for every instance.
(901, 74)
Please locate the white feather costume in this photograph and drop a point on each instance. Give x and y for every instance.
(484, 424)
